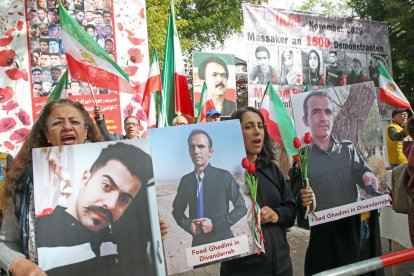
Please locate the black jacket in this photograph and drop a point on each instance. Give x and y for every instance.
(276, 194)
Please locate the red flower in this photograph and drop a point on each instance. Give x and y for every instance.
(131, 70)
(24, 117)
(342, 80)
(142, 13)
(321, 81)
(135, 55)
(252, 168)
(14, 73)
(19, 26)
(19, 135)
(296, 143)
(307, 138)
(24, 74)
(137, 98)
(8, 38)
(245, 163)
(132, 39)
(120, 27)
(7, 124)
(6, 94)
(9, 145)
(9, 106)
(141, 115)
(128, 110)
(7, 58)
(296, 157)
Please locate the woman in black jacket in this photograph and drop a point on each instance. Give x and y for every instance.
(277, 207)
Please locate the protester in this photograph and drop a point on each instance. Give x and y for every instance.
(17, 242)
(212, 116)
(395, 135)
(131, 126)
(180, 120)
(408, 149)
(334, 168)
(277, 207)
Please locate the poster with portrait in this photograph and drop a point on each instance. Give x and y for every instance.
(218, 72)
(346, 167)
(96, 210)
(208, 215)
(33, 60)
(295, 48)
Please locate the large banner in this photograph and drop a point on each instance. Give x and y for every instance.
(300, 49)
(32, 60)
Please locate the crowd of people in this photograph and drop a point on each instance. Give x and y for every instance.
(66, 122)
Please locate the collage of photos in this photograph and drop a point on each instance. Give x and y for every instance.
(48, 62)
(314, 67)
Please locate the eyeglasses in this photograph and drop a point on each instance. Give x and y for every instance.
(58, 123)
(131, 124)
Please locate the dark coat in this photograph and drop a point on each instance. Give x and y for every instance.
(276, 194)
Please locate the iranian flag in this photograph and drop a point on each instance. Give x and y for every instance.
(278, 121)
(390, 93)
(60, 90)
(202, 107)
(175, 97)
(150, 94)
(87, 61)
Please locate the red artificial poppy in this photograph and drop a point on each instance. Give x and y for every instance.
(6, 94)
(131, 70)
(7, 58)
(7, 124)
(120, 27)
(24, 117)
(321, 81)
(14, 73)
(9, 145)
(141, 115)
(245, 163)
(135, 55)
(24, 74)
(128, 110)
(9, 106)
(307, 138)
(142, 13)
(296, 157)
(19, 135)
(296, 143)
(134, 40)
(19, 26)
(252, 168)
(137, 98)
(8, 38)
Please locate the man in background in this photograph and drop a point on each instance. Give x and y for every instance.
(263, 72)
(212, 116)
(395, 136)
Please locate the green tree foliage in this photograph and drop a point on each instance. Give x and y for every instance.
(200, 23)
(399, 16)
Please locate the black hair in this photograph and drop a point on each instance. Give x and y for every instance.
(316, 93)
(137, 162)
(267, 154)
(200, 131)
(203, 65)
(262, 49)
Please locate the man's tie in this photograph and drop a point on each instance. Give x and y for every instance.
(200, 197)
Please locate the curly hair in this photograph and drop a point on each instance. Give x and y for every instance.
(37, 138)
(268, 153)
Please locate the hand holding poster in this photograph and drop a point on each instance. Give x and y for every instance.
(346, 168)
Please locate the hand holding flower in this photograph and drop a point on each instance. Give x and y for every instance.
(268, 215)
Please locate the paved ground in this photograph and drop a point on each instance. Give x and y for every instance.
(298, 240)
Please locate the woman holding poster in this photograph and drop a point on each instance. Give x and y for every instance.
(277, 207)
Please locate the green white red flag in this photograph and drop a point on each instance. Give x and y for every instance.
(175, 97)
(278, 121)
(60, 90)
(202, 107)
(87, 61)
(390, 93)
(152, 86)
